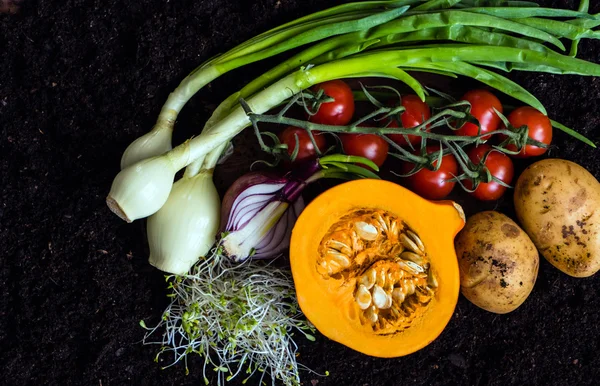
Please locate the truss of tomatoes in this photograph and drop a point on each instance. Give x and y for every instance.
(494, 168)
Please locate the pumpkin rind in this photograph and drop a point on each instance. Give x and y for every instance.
(332, 308)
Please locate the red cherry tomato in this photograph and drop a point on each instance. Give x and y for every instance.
(369, 146)
(340, 111)
(433, 185)
(540, 129)
(499, 165)
(416, 113)
(306, 149)
(483, 103)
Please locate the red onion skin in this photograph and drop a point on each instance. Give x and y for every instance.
(293, 183)
(290, 217)
(241, 184)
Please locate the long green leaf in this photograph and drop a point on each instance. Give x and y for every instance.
(436, 4)
(415, 57)
(462, 34)
(508, 67)
(491, 79)
(452, 17)
(498, 3)
(560, 29)
(344, 12)
(349, 7)
(266, 40)
(397, 74)
(344, 51)
(584, 6)
(572, 133)
(431, 71)
(468, 53)
(586, 23)
(318, 33)
(520, 12)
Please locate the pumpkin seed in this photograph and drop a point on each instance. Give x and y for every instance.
(409, 243)
(368, 278)
(363, 297)
(411, 256)
(410, 267)
(339, 246)
(371, 314)
(366, 231)
(416, 239)
(379, 297)
(431, 280)
(398, 295)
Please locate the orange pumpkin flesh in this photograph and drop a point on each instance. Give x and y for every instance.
(329, 291)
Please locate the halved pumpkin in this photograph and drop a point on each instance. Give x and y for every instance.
(374, 266)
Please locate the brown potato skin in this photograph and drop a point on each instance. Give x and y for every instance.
(557, 203)
(498, 262)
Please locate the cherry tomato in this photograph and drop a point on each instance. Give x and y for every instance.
(483, 103)
(540, 129)
(306, 149)
(340, 111)
(369, 146)
(416, 113)
(499, 165)
(433, 185)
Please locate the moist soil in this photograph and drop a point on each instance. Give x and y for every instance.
(79, 80)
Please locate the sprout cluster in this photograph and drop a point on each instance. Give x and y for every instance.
(241, 319)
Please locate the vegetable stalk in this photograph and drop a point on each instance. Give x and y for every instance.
(150, 181)
(336, 21)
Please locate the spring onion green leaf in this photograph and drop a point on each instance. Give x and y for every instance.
(491, 79)
(572, 133)
(560, 29)
(521, 12)
(454, 17)
(436, 4)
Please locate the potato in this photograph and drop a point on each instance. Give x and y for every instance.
(498, 262)
(557, 203)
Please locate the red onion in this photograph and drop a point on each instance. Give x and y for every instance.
(258, 213)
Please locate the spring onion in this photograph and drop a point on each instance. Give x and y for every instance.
(338, 20)
(152, 179)
(143, 187)
(184, 229)
(362, 25)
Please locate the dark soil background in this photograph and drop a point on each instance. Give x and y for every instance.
(81, 79)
